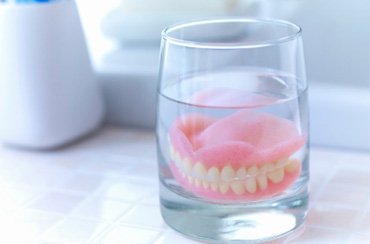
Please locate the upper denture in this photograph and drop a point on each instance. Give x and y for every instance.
(244, 138)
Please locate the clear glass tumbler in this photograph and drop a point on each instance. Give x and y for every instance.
(232, 130)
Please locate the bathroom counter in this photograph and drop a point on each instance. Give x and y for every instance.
(104, 189)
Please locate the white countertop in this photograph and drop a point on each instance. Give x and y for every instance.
(103, 189)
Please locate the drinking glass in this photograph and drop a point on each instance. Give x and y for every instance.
(232, 130)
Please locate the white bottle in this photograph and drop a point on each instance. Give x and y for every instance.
(48, 95)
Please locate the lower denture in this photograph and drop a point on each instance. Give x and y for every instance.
(244, 156)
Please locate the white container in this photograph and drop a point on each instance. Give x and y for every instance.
(48, 95)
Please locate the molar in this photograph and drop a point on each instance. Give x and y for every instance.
(277, 175)
(281, 163)
(292, 166)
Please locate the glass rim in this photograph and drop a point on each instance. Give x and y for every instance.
(297, 31)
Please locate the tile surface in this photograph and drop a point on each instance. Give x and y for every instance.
(104, 189)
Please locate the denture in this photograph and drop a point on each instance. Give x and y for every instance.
(247, 155)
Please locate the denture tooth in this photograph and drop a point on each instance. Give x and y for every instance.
(199, 171)
(241, 174)
(187, 166)
(205, 184)
(238, 187)
(281, 163)
(197, 182)
(266, 168)
(213, 174)
(292, 166)
(250, 185)
(224, 187)
(227, 173)
(190, 179)
(262, 181)
(214, 186)
(277, 175)
(252, 171)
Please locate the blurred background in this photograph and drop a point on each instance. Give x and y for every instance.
(122, 43)
(124, 36)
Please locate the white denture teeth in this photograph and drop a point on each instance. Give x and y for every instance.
(266, 168)
(262, 181)
(187, 166)
(241, 174)
(224, 187)
(276, 176)
(197, 182)
(238, 187)
(281, 163)
(214, 187)
(250, 185)
(190, 179)
(199, 171)
(252, 171)
(293, 165)
(213, 174)
(227, 174)
(205, 184)
(229, 180)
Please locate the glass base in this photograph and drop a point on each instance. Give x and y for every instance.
(234, 223)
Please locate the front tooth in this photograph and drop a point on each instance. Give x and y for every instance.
(213, 174)
(224, 187)
(241, 174)
(227, 173)
(251, 185)
(293, 165)
(205, 184)
(214, 186)
(262, 181)
(253, 171)
(237, 187)
(199, 171)
(197, 182)
(277, 175)
(187, 166)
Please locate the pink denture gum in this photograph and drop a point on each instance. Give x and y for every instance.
(244, 156)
